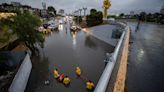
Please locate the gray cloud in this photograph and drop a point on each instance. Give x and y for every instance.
(117, 5)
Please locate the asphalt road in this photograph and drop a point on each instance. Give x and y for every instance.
(65, 50)
(146, 60)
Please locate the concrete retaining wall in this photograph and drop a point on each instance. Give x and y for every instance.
(21, 78)
(104, 79)
(121, 75)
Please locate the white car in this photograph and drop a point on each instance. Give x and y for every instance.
(53, 25)
(61, 21)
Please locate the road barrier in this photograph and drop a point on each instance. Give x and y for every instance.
(121, 75)
(104, 79)
(21, 78)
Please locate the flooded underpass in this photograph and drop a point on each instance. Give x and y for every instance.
(65, 50)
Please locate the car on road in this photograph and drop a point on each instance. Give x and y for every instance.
(53, 25)
(61, 21)
(74, 28)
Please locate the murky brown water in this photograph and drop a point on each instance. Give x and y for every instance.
(65, 50)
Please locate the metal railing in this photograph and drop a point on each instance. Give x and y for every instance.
(104, 79)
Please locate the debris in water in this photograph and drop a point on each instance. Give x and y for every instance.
(47, 82)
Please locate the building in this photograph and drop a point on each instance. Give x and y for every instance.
(5, 7)
(44, 13)
(61, 12)
(44, 10)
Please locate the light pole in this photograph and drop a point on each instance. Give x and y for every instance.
(77, 14)
(77, 11)
(80, 11)
(84, 11)
(80, 14)
(74, 13)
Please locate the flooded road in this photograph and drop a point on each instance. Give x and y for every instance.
(65, 50)
(146, 60)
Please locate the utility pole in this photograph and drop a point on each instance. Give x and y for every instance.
(78, 11)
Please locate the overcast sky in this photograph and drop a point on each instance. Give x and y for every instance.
(118, 6)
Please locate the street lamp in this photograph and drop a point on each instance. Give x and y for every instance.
(84, 11)
(77, 11)
(80, 11)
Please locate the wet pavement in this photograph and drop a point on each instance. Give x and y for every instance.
(65, 50)
(146, 61)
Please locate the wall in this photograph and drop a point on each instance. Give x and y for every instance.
(21, 78)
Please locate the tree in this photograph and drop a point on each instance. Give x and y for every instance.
(143, 16)
(51, 10)
(99, 17)
(93, 11)
(111, 16)
(95, 18)
(156, 17)
(25, 26)
(121, 15)
(149, 17)
(162, 9)
(5, 34)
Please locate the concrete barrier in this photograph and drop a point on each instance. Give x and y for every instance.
(121, 75)
(104, 79)
(21, 78)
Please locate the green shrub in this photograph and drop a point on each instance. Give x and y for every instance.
(95, 18)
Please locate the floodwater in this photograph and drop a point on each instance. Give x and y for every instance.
(65, 50)
(146, 60)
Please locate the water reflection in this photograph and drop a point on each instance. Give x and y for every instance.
(74, 34)
(89, 42)
(140, 54)
(61, 54)
(39, 73)
(60, 27)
